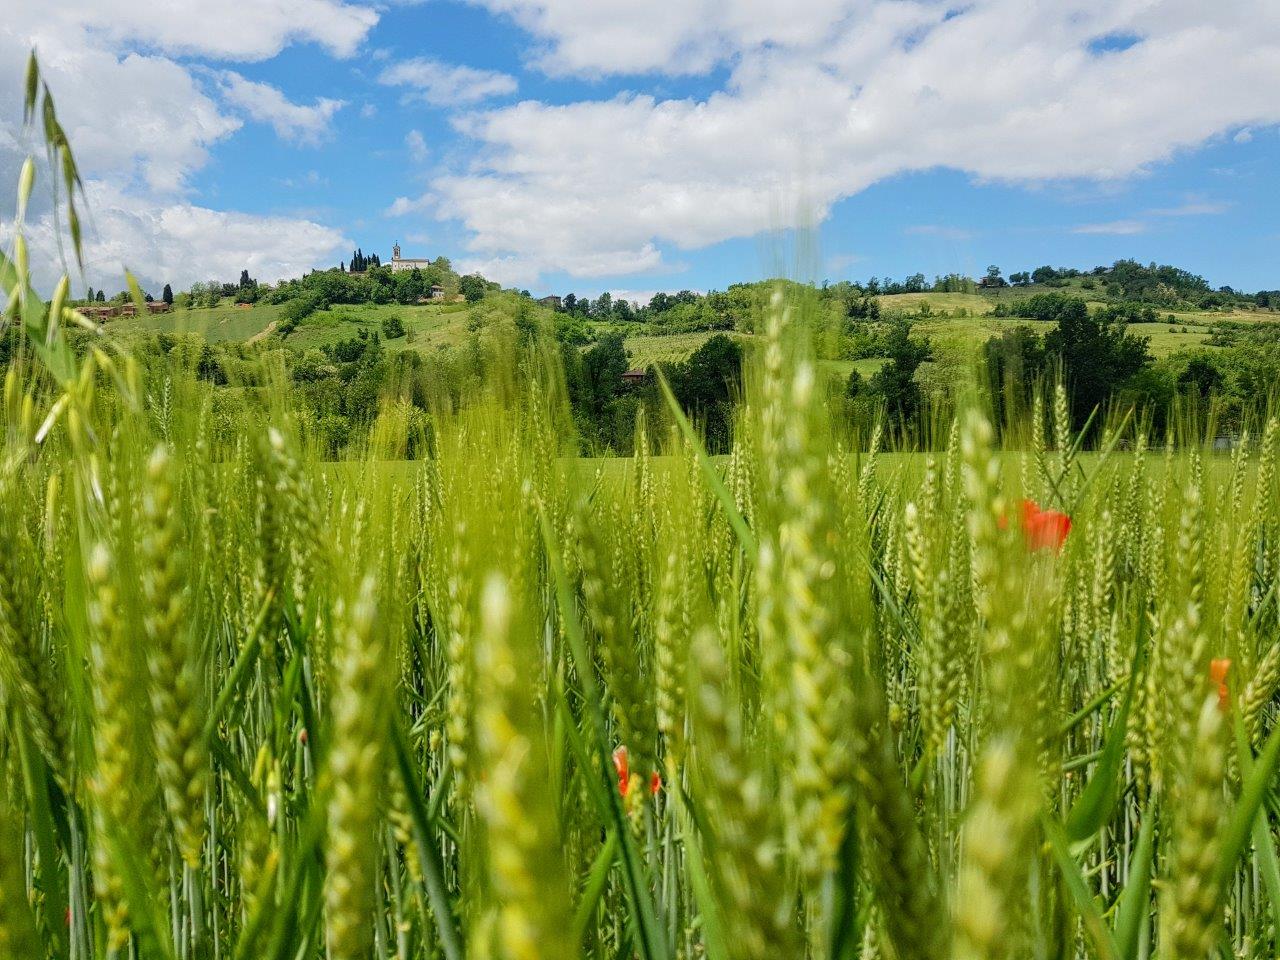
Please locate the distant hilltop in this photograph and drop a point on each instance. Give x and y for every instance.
(360, 262)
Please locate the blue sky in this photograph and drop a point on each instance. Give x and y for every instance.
(606, 144)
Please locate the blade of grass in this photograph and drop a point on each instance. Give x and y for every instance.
(652, 944)
(1135, 899)
(736, 520)
(428, 847)
(1083, 900)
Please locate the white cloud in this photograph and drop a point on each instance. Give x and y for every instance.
(444, 85)
(417, 145)
(136, 114)
(295, 122)
(673, 37)
(136, 119)
(181, 242)
(143, 122)
(508, 271)
(1113, 228)
(219, 29)
(1193, 208)
(638, 298)
(403, 206)
(829, 98)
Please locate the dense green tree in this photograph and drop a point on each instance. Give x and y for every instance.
(603, 366)
(1014, 366)
(167, 294)
(473, 287)
(1201, 377)
(1050, 307)
(707, 384)
(860, 306)
(856, 385)
(895, 381)
(1096, 356)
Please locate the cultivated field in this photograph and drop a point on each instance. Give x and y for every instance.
(802, 701)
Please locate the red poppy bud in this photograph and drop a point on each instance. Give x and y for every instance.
(1218, 670)
(622, 766)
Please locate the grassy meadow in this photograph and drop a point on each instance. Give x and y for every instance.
(463, 694)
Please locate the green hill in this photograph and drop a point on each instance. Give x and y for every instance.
(952, 320)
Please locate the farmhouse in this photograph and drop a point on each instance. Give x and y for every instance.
(398, 264)
(635, 376)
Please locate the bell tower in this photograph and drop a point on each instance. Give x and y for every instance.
(395, 251)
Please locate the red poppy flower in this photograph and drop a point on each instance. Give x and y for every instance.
(1044, 529)
(622, 766)
(1218, 670)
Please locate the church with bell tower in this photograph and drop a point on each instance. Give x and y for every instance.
(398, 263)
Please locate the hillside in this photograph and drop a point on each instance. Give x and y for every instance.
(966, 320)
(956, 321)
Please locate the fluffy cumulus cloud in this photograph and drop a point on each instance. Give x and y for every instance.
(143, 117)
(443, 84)
(134, 118)
(668, 36)
(181, 242)
(135, 111)
(218, 29)
(826, 97)
(297, 122)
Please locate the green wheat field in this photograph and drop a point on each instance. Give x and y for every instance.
(994, 697)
